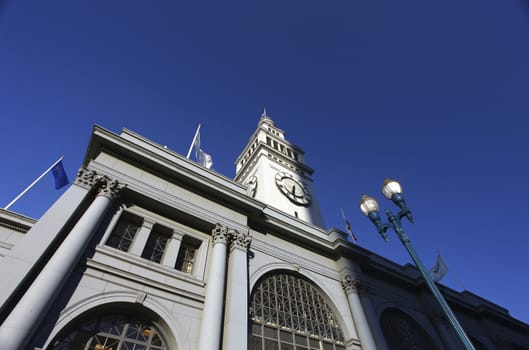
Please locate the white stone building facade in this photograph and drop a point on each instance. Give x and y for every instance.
(148, 250)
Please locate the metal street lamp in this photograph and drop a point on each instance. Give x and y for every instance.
(369, 207)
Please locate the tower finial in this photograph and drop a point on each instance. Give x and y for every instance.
(265, 118)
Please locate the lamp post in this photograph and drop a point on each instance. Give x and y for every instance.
(369, 207)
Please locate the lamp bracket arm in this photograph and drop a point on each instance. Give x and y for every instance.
(405, 212)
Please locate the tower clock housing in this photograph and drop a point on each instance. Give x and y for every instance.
(275, 172)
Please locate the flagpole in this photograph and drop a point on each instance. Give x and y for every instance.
(193, 142)
(33, 183)
(348, 227)
(343, 215)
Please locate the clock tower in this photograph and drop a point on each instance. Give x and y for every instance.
(275, 172)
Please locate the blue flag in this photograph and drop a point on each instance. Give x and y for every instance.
(59, 174)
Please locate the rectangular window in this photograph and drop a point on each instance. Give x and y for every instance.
(123, 234)
(268, 141)
(156, 243)
(187, 254)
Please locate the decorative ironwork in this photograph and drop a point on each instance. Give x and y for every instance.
(155, 247)
(123, 234)
(111, 332)
(289, 312)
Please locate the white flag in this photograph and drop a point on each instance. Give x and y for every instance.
(202, 157)
(439, 269)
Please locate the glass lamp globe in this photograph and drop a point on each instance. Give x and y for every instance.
(391, 187)
(368, 204)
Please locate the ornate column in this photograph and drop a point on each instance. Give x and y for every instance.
(235, 335)
(25, 255)
(211, 327)
(351, 288)
(24, 319)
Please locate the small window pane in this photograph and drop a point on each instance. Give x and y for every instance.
(256, 343)
(123, 234)
(271, 344)
(287, 346)
(270, 332)
(187, 254)
(285, 336)
(155, 247)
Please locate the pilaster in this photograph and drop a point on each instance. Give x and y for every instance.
(171, 251)
(141, 237)
(352, 287)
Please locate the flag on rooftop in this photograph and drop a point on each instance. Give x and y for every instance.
(59, 174)
(439, 269)
(348, 227)
(202, 157)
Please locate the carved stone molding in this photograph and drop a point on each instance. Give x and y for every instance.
(87, 179)
(239, 240)
(110, 188)
(236, 240)
(220, 234)
(351, 285)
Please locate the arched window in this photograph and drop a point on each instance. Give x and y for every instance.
(110, 332)
(289, 312)
(403, 333)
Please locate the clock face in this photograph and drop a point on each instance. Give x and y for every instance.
(295, 191)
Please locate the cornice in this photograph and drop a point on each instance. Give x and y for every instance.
(159, 160)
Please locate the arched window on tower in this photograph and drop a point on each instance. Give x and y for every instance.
(404, 333)
(288, 312)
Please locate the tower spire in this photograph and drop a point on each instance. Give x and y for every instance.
(265, 117)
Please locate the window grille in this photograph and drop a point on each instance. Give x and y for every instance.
(155, 246)
(291, 313)
(123, 234)
(111, 333)
(187, 254)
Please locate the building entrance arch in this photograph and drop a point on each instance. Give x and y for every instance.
(112, 327)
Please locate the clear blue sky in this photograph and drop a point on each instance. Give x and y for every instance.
(432, 93)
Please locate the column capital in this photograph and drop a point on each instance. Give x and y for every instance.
(352, 285)
(110, 188)
(87, 179)
(239, 240)
(220, 234)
